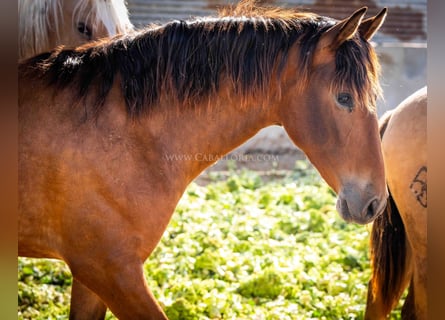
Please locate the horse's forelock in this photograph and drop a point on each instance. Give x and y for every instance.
(113, 14)
(357, 67)
(36, 18)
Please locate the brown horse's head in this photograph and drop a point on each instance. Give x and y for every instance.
(331, 115)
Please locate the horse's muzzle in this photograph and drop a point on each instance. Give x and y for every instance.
(360, 206)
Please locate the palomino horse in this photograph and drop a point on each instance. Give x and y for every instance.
(98, 124)
(45, 24)
(399, 236)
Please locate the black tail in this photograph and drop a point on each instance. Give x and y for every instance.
(388, 256)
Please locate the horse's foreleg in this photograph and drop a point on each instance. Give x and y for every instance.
(123, 289)
(85, 304)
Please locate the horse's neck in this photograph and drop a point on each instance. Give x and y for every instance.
(195, 139)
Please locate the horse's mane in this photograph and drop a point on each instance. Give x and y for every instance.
(188, 59)
(38, 18)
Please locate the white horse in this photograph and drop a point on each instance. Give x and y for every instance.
(45, 24)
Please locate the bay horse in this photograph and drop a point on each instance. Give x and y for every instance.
(399, 236)
(100, 124)
(45, 24)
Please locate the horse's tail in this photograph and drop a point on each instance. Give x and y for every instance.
(388, 257)
(388, 250)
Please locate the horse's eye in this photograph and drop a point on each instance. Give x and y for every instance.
(345, 100)
(84, 30)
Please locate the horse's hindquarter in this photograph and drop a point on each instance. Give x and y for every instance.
(404, 149)
(83, 186)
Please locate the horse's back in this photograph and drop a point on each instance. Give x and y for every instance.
(408, 120)
(404, 149)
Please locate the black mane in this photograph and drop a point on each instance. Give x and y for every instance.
(187, 59)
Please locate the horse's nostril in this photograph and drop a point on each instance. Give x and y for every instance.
(372, 208)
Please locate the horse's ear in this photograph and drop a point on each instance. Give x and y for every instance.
(370, 26)
(342, 31)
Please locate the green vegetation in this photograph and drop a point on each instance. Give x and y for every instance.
(242, 248)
